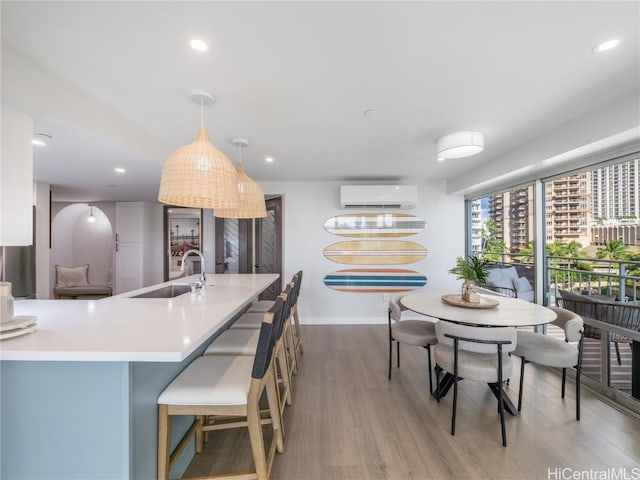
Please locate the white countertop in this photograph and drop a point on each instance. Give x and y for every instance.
(124, 329)
(510, 312)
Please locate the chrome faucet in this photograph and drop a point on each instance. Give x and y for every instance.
(199, 253)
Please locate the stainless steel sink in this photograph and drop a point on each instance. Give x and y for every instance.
(169, 291)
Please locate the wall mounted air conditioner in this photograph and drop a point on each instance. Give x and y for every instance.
(378, 196)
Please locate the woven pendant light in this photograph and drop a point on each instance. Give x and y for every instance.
(252, 204)
(199, 175)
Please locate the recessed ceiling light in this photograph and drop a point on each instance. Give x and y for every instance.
(440, 159)
(119, 170)
(40, 139)
(269, 159)
(606, 45)
(198, 45)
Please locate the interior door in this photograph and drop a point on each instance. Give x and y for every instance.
(235, 242)
(269, 246)
(233, 245)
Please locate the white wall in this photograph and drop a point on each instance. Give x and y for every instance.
(307, 205)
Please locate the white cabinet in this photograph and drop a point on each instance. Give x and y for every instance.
(16, 179)
(138, 245)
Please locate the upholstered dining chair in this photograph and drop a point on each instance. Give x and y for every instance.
(552, 352)
(229, 387)
(416, 329)
(474, 353)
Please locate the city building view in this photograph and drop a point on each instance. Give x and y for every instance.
(587, 210)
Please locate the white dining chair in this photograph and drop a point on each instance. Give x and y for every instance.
(416, 329)
(552, 352)
(475, 353)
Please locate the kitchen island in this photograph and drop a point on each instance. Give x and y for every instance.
(79, 394)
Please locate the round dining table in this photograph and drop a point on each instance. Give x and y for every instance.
(508, 312)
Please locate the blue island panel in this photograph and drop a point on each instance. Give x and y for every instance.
(64, 420)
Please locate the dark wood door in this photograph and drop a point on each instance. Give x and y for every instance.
(233, 245)
(235, 240)
(269, 246)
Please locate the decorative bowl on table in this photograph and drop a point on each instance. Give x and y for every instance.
(456, 300)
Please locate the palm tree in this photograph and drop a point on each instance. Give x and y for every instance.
(613, 250)
(574, 249)
(526, 253)
(492, 244)
(556, 249)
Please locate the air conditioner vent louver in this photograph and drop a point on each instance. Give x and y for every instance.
(379, 205)
(378, 196)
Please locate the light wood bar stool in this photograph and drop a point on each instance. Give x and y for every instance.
(251, 319)
(263, 305)
(228, 387)
(243, 341)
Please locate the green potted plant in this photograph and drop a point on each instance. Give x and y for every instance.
(473, 271)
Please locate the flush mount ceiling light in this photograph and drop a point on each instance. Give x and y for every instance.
(460, 144)
(269, 159)
(606, 45)
(92, 217)
(119, 170)
(252, 203)
(199, 175)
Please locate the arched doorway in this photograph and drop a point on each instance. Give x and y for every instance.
(76, 240)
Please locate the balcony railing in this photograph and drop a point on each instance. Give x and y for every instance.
(616, 284)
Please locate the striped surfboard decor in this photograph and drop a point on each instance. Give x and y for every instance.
(375, 252)
(375, 225)
(375, 280)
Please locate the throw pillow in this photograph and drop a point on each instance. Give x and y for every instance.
(501, 283)
(522, 285)
(510, 273)
(72, 276)
(494, 275)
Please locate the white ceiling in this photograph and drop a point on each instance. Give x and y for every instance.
(113, 80)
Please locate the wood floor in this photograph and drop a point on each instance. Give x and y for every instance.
(348, 421)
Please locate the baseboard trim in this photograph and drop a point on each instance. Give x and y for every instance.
(343, 320)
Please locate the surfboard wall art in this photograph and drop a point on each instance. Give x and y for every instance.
(375, 280)
(375, 225)
(375, 252)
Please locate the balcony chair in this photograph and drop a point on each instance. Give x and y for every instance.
(475, 353)
(228, 387)
(417, 330)
(602, 308)
(552, 352)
